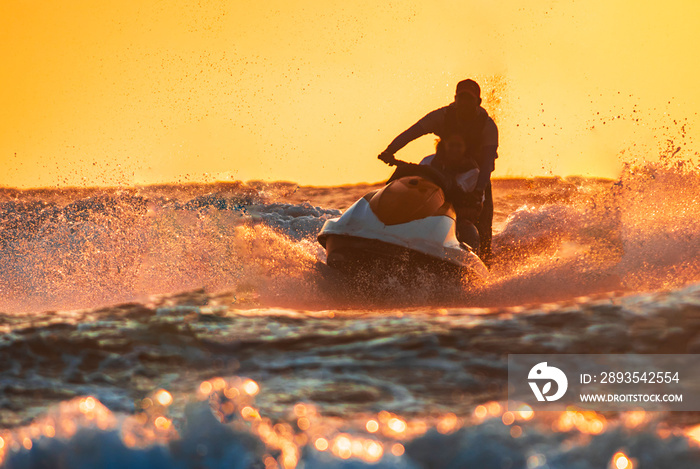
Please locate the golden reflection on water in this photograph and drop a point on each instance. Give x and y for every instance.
(585, 421)
(164, 397)
(621, 461)
(369, 438)
(231, 401)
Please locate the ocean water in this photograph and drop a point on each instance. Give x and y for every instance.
(188, 326)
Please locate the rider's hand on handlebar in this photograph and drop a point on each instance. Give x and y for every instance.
(388, 158)
(479, 201)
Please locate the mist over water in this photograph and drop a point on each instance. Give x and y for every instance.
(114, 246)
(555, 239)
(634, 234)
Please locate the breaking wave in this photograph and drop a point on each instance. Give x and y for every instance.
(555, 239)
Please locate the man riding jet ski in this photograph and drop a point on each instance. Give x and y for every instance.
(467, 118)
(411, 222)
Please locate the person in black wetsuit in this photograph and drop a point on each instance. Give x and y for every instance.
(464, 117)
(461, 174)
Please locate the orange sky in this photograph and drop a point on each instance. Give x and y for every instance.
(131, 92)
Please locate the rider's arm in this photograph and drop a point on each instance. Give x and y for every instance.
(488, 158)
(428, 124)
(489, 153)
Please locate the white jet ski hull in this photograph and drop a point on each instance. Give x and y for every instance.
(360, 236)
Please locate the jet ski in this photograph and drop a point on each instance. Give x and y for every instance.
(406, 225)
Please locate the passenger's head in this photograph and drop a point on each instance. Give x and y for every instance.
(467, 98)
(452, 150)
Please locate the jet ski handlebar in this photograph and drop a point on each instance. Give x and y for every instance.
(405, 169)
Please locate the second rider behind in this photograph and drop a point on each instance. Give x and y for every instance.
(462, 173)
(468, 140)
